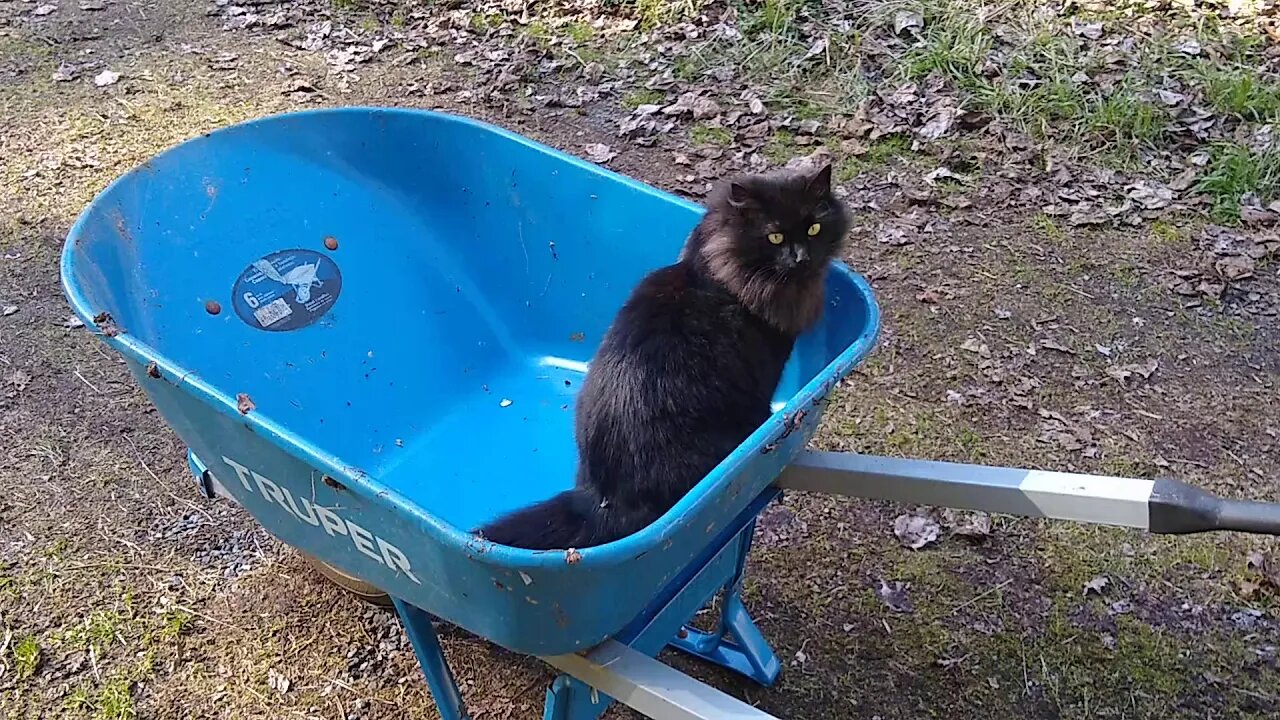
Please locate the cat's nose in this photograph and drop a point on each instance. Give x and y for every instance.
(799, 253)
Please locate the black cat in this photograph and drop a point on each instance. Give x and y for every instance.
(689, 367)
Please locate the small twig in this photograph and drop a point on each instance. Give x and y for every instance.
(1236, 458)
(8, 635)
(199, 614)
(86, 382)
(142, 461)
(1078, 291)
(93, 661)
(1255, 695)
(194, 506)
(129, 566)
(1180, 461)
(964, 605)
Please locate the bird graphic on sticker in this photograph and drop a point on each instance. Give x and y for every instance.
(302, 278)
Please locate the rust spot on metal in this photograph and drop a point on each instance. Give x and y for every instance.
(498, 584)
(213, 307)
(244, 403)
(333, 483)
(331, 242)
(578, 336)
(153, 370)
(106, 324)
(792, 422)
(683, 633)
(572, 556)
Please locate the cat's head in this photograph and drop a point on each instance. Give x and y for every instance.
(769, 237)
(786, 222)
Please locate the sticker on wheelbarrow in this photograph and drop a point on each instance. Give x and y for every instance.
(287, 290)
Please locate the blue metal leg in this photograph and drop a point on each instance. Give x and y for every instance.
(569, 699)
(718, 572)
(737, 644)
(422, 635)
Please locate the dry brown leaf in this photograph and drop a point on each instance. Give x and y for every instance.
(894, 595)
(1097, 585)
(915, 531)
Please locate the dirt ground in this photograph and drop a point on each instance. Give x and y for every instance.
(1013, 335)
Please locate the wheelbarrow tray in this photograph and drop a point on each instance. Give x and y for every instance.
(439, 286)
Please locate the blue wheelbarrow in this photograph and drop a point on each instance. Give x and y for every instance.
(368, 326)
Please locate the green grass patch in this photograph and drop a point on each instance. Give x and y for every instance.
(1166, 233)
(26, 657)
(652, 13)
(486, 21)
(173, 622)
(770, 17)
(1240, 92)
(781, 147)
(880, 153)
(78, 701)
(887, 148)
(579, 31)
(1125, 121)
(115, 701)
(636, 98)
(1048, 227)
(1042, 109)
(955, 44)
(1129, 277)
(704, 134)
(688, 67)
(99, 630)
(1235, 170)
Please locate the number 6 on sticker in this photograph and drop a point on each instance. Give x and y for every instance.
(286, 290)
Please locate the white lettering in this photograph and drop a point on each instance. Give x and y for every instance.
(331, 522)
(242, 472)
(270, 489)
(309, 517)
(363, 540)
(370, 545)
(396, 560)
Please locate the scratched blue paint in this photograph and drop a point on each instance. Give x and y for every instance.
(478, 271)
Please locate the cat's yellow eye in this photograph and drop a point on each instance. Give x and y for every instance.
(814, 229)
(775, 238)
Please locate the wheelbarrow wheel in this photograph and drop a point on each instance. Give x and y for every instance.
(350, 583)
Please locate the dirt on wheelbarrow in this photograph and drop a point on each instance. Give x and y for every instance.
(1032, 318)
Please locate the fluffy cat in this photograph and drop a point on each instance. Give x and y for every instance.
(690, 364)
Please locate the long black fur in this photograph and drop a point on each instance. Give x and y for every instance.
(689, 367)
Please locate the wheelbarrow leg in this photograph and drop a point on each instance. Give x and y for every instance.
(736, 644)
(426, 645)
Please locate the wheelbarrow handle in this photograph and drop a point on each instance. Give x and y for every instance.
(1159, 506)
(1179, 508)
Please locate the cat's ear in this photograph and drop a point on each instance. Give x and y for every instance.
(739, 195)
(820, 181)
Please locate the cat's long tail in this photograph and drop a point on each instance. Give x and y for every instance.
(572, 519)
